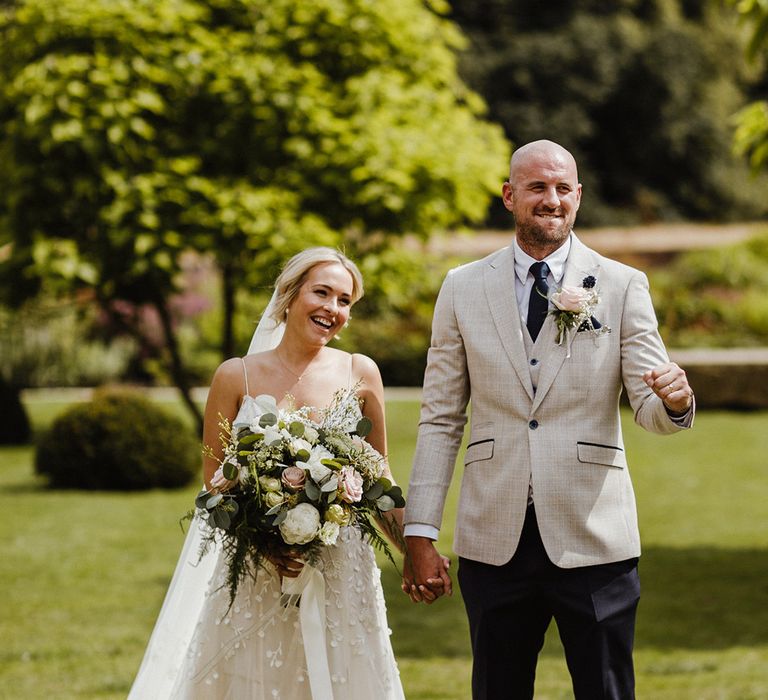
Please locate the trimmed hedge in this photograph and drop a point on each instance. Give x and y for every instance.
(118, 441)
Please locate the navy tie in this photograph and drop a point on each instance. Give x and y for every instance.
(538, 302)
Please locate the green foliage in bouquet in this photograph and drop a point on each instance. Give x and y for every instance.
(296, 482)
(118, 441)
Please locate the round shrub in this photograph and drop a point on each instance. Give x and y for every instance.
(118, 441)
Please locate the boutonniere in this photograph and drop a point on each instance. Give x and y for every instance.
(574, 308)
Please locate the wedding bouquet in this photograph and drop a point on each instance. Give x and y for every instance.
(296, 482)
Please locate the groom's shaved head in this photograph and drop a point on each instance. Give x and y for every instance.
(542, 150)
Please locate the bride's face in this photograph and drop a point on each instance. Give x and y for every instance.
(321, 308)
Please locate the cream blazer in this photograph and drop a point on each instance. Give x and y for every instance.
(564, 438)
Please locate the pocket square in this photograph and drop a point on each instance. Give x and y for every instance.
(596, 325)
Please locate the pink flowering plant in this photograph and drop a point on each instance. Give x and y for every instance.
(291, 483)
(574, 308)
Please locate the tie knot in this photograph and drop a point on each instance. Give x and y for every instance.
(539, 270)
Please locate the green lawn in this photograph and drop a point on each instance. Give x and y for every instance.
(83, 575)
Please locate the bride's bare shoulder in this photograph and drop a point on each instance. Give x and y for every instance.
(228, 372)
(365, 369)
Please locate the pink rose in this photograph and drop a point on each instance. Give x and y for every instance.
(350, 484)
(571, 298)
(294, 478)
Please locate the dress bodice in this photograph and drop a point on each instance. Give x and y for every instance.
(343, 413)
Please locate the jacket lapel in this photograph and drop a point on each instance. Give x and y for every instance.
(580, 264)
(499, 281)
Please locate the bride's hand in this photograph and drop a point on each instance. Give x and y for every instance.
(286, 564)
(220, 484)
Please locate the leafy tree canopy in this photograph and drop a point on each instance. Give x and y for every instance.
(751, 137)
(641, 91)
(133, 130)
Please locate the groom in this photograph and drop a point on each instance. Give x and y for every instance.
(547, 525)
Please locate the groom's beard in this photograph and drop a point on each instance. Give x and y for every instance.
(536, 235)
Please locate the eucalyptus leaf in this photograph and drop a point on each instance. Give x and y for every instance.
(311, 489)
(296, 429)
(274, 509)
(230, 471)
(282, 515)
(221, 518)
(364, 426)
(214, 500)
(394, 492)
(268, 419)
(202, 499)
(251, 438)
(331, 485)
(302, 456)
(385, 503)
(375, 491)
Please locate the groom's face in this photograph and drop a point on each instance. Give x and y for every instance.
(543, 194)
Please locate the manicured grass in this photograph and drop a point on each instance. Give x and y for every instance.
(83, 575)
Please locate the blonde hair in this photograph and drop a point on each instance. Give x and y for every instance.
(295, 272)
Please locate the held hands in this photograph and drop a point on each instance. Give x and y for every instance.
(425, 576)
(287, 564)
(670, 384)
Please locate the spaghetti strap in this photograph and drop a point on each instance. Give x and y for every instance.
(245, 374)
(349, 379)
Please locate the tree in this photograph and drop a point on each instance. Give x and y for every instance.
(134, 130)
(641, 91)
(751, 136)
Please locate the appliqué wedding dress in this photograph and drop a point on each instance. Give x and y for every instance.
(203, 650)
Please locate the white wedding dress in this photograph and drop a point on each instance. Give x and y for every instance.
(202, 649)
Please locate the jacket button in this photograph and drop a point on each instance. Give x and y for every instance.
(533, 424)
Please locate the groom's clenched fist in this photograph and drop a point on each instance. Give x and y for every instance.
(425, 576)
(670, 384)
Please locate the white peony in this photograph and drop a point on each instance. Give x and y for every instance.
(301, 525)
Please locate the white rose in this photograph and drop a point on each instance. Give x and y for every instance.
(572, 299)
(301, 525)
(272, 435)
(296, 445)
(317, 471)
(274, 499)
(329, 532)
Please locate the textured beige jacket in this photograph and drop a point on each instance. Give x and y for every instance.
(564, 438)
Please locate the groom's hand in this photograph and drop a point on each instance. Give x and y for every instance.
(670, 384)
(426, 572)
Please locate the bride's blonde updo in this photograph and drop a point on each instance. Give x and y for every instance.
(295, 271)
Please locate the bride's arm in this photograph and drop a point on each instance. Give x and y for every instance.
(224, 397)
(372, 393)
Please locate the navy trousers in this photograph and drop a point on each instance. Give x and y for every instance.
(510, 607)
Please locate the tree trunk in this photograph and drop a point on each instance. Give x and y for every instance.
(14, 428)
(177, 369)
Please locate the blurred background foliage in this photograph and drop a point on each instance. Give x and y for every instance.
(642, 92)
(162, 158)
(134, 131)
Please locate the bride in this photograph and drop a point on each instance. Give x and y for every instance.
(260, 647)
